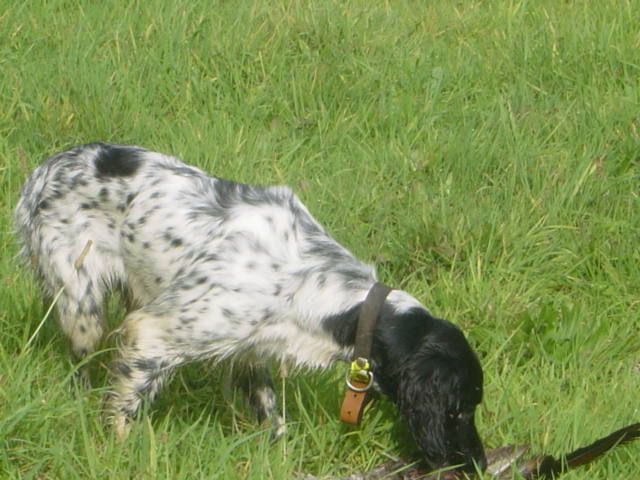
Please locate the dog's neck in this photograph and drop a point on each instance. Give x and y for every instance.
(319, 333)
(342, 325)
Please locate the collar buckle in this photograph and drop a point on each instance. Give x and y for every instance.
(359, 377)
(359, 373)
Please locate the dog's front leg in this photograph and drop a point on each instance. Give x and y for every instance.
(256, 384)
(145, 361)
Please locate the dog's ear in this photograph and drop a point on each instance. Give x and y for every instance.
(432, 396)
(427, 393)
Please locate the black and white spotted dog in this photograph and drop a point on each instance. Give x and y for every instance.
(221, 270)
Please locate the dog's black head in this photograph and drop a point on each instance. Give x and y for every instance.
(427, 367)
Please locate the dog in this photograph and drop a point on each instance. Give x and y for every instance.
(223, 270)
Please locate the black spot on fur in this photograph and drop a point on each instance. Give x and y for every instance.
(57, 194)
(208, 258)
(78, 180)
(117, 160)
(145, 364)
(88, 205)
(104, 194)
(123, 369)
(176, 242)
(186, 320)
(266, 315)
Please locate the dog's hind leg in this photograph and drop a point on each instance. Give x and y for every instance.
(75, 275)
(82, 323)
(255, 382)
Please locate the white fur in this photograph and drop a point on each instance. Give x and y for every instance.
(215, 269)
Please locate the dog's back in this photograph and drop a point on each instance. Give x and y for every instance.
(183, 243)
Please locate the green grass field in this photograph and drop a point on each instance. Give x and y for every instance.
(484, 155)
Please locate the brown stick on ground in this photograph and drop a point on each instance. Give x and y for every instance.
(548, 467)
(504, 461)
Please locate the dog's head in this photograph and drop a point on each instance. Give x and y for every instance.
(429, 369)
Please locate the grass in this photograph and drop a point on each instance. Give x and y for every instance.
(484, 155)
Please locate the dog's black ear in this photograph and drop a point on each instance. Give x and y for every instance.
(433, 397)
(426, 393)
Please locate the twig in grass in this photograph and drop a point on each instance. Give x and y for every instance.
(46, 315)
(80, 260)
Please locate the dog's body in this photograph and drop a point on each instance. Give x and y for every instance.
(219, 270)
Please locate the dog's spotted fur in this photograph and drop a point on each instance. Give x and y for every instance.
(221, 270)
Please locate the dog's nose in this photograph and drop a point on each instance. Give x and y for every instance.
(481, 461)
(475, 462)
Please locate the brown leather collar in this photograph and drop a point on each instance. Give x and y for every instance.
(359, 376)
